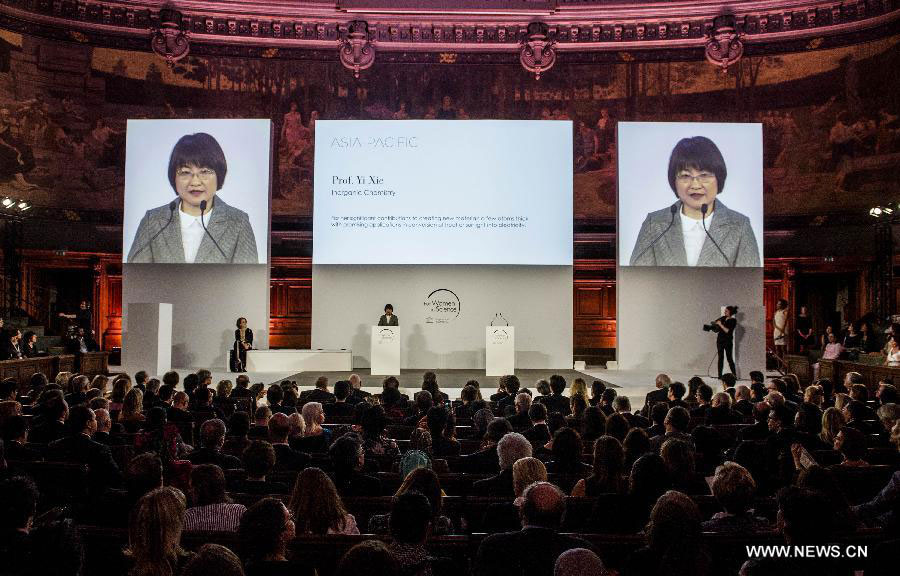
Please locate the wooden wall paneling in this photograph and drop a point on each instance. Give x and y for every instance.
(594, 324)
(290, 318)
(772, 290)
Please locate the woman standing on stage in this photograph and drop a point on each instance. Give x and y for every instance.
(243, 341)
(725, 338)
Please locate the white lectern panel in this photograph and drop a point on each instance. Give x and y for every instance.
(499, 350)
(148, 340)
(385, 351)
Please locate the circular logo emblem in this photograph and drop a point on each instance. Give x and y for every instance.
(441, 306)
(500, 336)
(386, 335)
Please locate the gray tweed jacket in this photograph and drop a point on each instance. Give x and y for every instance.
(228, 225)
(730, 229)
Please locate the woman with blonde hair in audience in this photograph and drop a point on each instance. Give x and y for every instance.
(101, 383)
(316, 439)
(132, 416)
(317, 507)
(832, 422)
(426, 482)
(223, 400)
(505, 516)
(154, 534)
(120, 387)
(579, 388)
(527, 471)
(841, 400)
(62, 380)
(608, 476)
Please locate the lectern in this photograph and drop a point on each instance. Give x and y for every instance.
(385, 352)
(148, 338)
(499, 350)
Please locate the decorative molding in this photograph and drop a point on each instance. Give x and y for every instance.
(356, 51)
(578, 32)
(537, 54)
(724, 46)
(168, 40)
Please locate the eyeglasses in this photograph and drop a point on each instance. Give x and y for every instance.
(188, 174)
(702, 178)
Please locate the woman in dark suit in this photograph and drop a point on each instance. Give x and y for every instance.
(243, 341)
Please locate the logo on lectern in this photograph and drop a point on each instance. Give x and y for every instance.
(441, 306)
(499, 336)
(386, 335)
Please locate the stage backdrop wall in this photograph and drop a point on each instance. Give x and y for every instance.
(206, 301)
(443, 311)
(661, 312)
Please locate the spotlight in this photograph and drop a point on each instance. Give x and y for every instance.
(874, 212)
(7, 202)
(23, 206)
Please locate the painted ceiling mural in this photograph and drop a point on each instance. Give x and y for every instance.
(832, 132)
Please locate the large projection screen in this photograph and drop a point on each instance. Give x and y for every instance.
(690, 233)
(451, 222)
(228, 277)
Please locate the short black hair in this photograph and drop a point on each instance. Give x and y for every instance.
(757, 376)
(658, 412)
(679, 418)
(557, 384)
(728, 379)
(201, 150)
(239, 424)
(342, 389)
(705, 392)
(8, 387)
(388, 307)
(259, 458)
(677, 389)
(260, 529)
(79, 416)
(537, 411)
(410, 515)
(510, 383)
(274, 395)
(854, 445)
(18, 503)
(699, 153)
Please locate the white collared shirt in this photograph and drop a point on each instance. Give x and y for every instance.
(192, 234)
(694, 236)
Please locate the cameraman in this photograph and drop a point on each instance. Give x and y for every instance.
(724, 327)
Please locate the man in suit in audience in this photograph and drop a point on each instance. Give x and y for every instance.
(392, 382)
(533, 550)
(286, 458)
(556, 402)
(341, 407)
(15, 436)
(318, 394)
(511, 384)
(742, 404)
(539, 433)
(659, 395)
(423, 404)
(260, 428)
(212, 438)
(486, 460)
(55, 414)
(104, 425)
(357, 394)
(510, 448)
(658, 417)
(78, 447)
(759, 430)
(675, 395)
(704, 398)
(676, 423)
(622, 405)
(274, 397)
(178, 413)
(520, 421)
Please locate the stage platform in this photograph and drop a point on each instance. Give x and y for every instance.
(632, 383)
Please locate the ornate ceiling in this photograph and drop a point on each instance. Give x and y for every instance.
(536, 33)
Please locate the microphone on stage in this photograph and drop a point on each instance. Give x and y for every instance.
(704, 209)
(205, 229)
(172, 205)
(673, 209)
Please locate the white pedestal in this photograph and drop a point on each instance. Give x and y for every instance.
(385, 351)
(499, 350)
(148, 338)
(299, 361)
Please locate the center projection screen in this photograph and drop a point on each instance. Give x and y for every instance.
(451, 222)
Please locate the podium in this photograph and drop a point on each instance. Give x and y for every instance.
(385, 353)
(499, 350)
(148, 338)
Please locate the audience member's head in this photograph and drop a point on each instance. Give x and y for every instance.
(313, 415)
(259, 459)
(512, 447)
(316, 505)
(806, 516)
(347, 454)
(557, 384)
(143, 473)
(154, 532)
(367, 558)
(18, 504)
(851, 443)
(410, 518)
(265, 529)
(537, 412)
(677, 419)
(212, 434)
(497, 429)
(543, 505)
(674, 533)
(649, 478)
(527, 471)
(579, 562)
(208, 485)
(213, 559)
(676, 391)
(733, 487)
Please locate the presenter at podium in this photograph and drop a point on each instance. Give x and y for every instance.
(388, 318)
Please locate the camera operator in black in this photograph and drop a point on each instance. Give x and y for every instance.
(724, 328)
